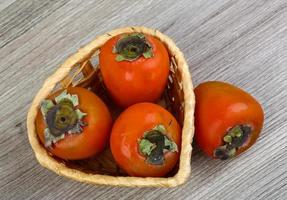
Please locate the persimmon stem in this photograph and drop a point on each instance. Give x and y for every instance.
(131, 46)
(61, 117)
(155, 144)
(235, 138)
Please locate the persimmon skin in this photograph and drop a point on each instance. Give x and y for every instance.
(95, 135)
(140, 80)
(219, 107)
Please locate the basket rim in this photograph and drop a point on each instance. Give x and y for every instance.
(187, 131)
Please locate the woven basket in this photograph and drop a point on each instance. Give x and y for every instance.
(81, 69)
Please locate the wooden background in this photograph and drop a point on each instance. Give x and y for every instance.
(238, 41)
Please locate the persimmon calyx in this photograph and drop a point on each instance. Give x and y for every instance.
(131, 46)
(235, 138)
(61, 117)
(155, 144)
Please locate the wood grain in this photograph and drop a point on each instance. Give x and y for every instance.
(238, 41)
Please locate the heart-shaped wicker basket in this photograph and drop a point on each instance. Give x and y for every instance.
(81, 69)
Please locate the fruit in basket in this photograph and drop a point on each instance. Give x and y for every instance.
(228, 120)
(134, 67)
(73, 123)
(145, 140)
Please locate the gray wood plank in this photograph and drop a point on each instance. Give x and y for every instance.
(5, 3)
(242, 42)
(20, 16)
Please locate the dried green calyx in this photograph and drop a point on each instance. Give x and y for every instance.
(235, 138)
(131, 46)
(155, 144)
(61, 117)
